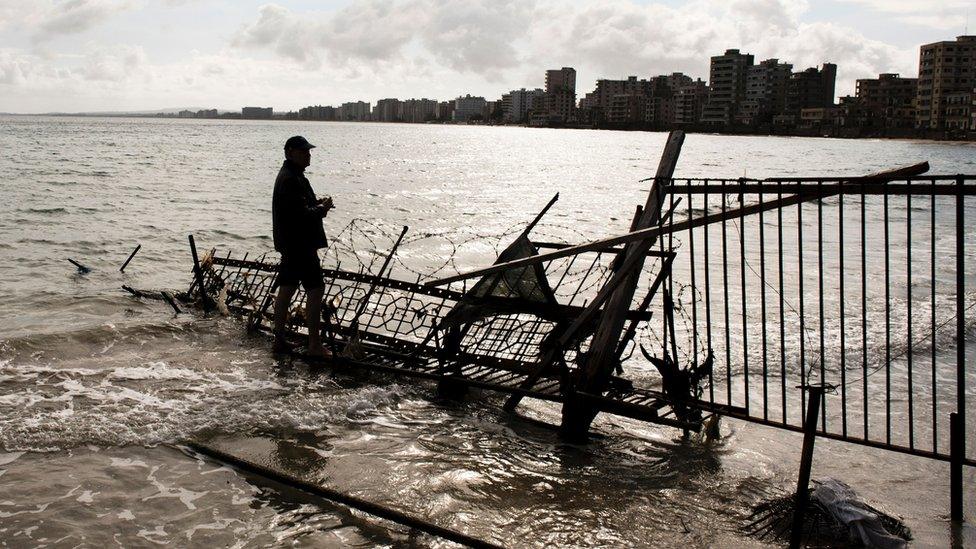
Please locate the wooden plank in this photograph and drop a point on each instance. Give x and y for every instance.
(602, 357)
(654, 232)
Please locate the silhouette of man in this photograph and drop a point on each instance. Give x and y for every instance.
(298, 234)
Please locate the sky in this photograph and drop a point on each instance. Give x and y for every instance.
(128, 55)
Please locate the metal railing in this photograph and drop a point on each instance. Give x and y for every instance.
(858, 287)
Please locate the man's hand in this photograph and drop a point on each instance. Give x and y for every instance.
(326, 203)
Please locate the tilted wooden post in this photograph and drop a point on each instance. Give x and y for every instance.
(601, 360)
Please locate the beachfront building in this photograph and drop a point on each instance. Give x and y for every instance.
(418, 110)
(257, 113)
(812, 88)
(445, 110)
(945, 69)
(561, 95)
(689, 100)
(468, 107)
(518, 104)
(317, 112)
(727, 75)
(356, 111)
(765, 93)
(387, 110)
(887, 101)
(958, 110)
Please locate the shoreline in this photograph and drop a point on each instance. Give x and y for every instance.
(920, 137)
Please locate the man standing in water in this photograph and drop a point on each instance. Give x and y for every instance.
(298, 234)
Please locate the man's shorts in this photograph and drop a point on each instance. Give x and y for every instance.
(301, 267)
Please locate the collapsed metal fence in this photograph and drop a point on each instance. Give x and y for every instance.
(859, 287)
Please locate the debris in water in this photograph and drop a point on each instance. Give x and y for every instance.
(133, 254)
(81, 268)
(835, 517)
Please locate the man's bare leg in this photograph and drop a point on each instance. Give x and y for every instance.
(282, 300)
(313, 316)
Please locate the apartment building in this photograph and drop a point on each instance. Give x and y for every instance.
(945, 70)
(561, 94)
(727, 75)
(766, 90)
(887, 101)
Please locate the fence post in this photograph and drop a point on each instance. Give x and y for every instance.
(806, 462)
(957, 420)
(955, 466)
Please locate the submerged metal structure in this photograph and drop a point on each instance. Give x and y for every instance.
(792, 285)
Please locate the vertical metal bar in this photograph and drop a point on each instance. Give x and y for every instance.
(843, 325)
(908, 296)
(803, 330)
(725, 287)
(708, 303)
(694, 287)
(887, 268)
(935, 383)
(745, 325)
(198, 274)
(806, 463)
(957, 449)
(762, 298)
(958, 441)
(864, 311)
(820, 298)
(664, 295)
(782, 316)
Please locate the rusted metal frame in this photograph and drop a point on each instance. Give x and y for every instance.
(738, 413)
(198, 276)
(644, 304)
(610, 250)
(617, 294)
(652, 232)
(586, 275)
(379, 275)
(890, 189)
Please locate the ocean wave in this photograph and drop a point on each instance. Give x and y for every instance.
(44, 210)
(59, 408)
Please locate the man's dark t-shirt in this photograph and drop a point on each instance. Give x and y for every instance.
(296, 214)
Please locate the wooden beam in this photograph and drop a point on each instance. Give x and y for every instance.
(654, 232)
(600, 361)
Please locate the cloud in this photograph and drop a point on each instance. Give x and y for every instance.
(937, 14)
(440, 48)
(75, 16)
(115, 64)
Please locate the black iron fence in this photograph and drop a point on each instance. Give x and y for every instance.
(865, 288)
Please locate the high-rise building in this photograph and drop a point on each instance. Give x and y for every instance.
(689, 101)
(811, 89)
(517, 104)
(257, 112)
(945, 70)
(387, 110)
(887, 101)
(357, 111)
(418, 110)
(445, 110)
(467, 107)
(727, 87)
(766, 91)
(561, 94)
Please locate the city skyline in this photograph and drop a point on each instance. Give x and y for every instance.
(103, 55)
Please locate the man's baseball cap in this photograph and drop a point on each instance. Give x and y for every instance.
(298, 142)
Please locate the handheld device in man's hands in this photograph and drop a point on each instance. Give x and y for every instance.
(327, 202)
